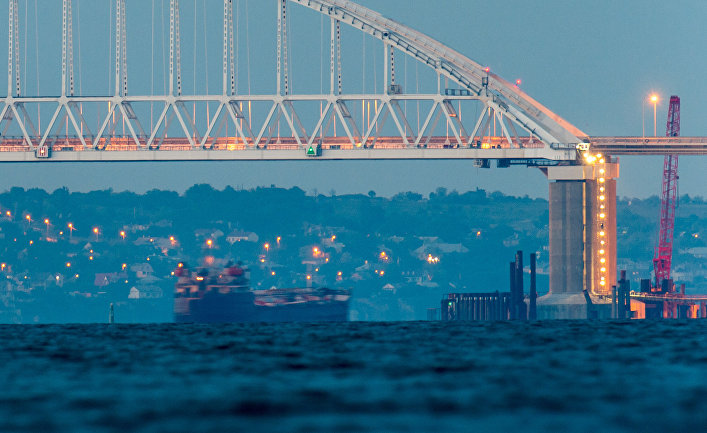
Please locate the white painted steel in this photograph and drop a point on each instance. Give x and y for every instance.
(551, 138)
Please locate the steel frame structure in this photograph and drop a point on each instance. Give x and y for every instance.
(545, 136)
(663, 255)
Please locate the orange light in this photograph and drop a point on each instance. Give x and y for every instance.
(70, 225)
(46, 221)
(272, 273)
(29, 218)
(654, 98)
(95, 230)
(487, 69)
(518, 82)
(339, 273)
(309, 277)
(68, 264)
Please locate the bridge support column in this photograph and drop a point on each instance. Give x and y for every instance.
(582, 240)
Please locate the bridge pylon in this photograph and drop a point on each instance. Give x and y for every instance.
(582, 237)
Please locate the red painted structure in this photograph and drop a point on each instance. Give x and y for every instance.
(664, 252)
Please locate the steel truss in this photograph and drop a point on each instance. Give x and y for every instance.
(504, 105)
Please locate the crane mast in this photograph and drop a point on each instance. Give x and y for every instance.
(664, 251)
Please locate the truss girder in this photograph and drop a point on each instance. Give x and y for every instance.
(501, 102)
(503, 96)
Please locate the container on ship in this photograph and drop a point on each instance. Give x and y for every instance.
(210, 295)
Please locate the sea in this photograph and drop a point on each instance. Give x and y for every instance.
(545, 376)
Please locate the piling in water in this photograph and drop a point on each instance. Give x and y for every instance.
(111, 316)
(533, 310)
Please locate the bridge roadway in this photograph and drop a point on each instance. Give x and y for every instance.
(531, 152)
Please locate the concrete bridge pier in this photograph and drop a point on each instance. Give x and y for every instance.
(582, 239)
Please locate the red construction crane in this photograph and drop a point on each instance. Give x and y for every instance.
(664, 251)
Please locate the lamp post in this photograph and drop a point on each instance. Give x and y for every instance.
(654, 100)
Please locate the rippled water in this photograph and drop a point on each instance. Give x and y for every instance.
(355, 377)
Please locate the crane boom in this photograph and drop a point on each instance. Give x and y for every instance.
(664, 251)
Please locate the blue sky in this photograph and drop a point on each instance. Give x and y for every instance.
(594, 63)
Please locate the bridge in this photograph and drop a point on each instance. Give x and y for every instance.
(471, 113)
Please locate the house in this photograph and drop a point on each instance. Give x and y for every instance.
(102, 279)
(432, 246)
(142, 270)
(145, 292)
(241, 236)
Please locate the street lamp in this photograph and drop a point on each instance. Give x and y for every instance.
(46, 221)
(95, 231)
(654, 100)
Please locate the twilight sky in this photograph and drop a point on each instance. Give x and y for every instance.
(594, 63)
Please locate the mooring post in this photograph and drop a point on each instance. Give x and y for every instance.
(111, 315)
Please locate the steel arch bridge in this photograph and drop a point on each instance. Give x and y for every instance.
(508, 125)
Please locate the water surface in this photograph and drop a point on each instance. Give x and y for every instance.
(559, 376)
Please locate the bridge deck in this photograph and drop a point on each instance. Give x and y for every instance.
(340, 148)
(650, 145)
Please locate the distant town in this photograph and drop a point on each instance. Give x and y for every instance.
(65, 257)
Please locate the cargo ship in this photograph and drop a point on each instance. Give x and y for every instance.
(213, 295)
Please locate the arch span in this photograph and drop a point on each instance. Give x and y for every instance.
(497, 92)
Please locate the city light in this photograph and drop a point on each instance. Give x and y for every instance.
(122, 234)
